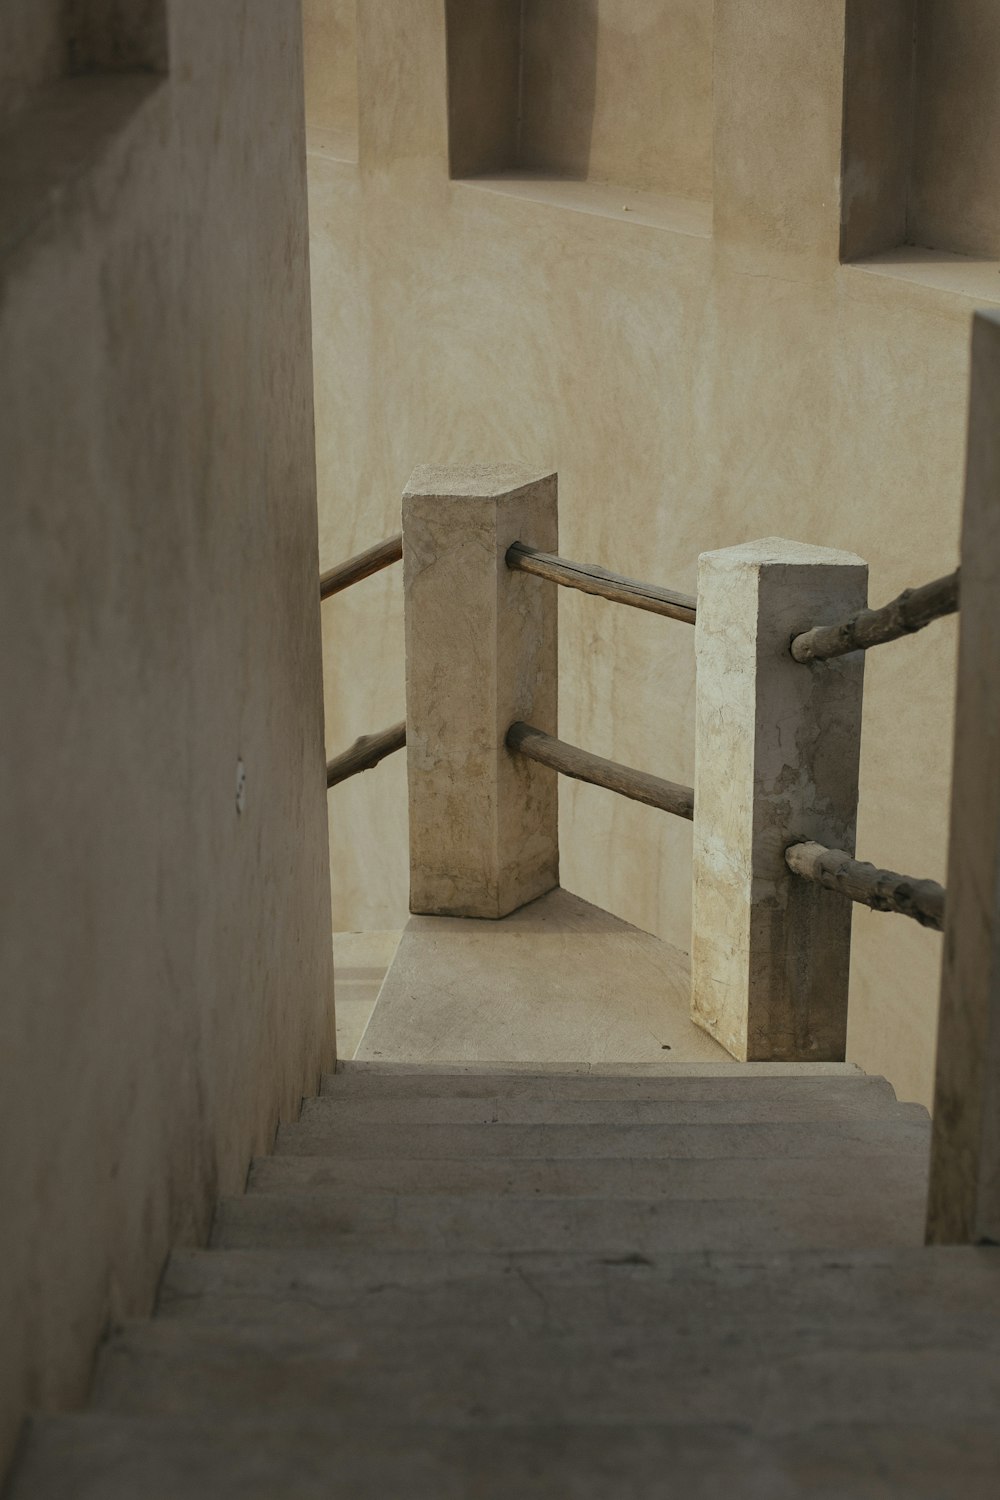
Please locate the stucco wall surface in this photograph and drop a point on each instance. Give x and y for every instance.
(165, 962)
(693, 392)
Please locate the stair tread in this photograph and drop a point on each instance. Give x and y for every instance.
(316, 1134)
(611, 1178)
(886, 1210)
(101, 1457)
(360, 1068)
(879, 1292)
(852, 1103)
(772, 1380)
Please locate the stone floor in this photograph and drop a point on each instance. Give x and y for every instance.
(361, 960)
(559, 980)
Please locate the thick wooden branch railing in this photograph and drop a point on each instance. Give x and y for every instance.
(365, 753)
(581, 765)
(593, 580)
(382, 555)
(882, 890)
(914, 609)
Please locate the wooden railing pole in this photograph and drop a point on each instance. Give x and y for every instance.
(372, 560)
(480, 653)
(776, 760)
(964, 1203)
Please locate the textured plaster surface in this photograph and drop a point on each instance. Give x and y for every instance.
(165, 956)
(480, 655)
(692, 394)
(331, 75)
(557, 981)
(776, 760)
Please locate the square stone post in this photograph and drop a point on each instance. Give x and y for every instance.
(481, 645)
(965, 1156)
(777, 746)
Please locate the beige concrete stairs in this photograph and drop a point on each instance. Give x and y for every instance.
(467, 1282)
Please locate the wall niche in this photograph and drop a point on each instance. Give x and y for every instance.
(588, 91)
(331, 68)
(921, 127)
(44, 41)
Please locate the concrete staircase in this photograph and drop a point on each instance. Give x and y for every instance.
(698, 1281)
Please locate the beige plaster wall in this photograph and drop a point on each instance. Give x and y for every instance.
(692, 393)
(331, 73)
(165, 957)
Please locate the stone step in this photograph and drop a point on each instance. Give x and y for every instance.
(259, 1457)
(837, 1103)
(792, 1303)
(358, 1068)
(884, 1210)
(594, 1374)
(743, 1081)
(609, 1178)
(317, 1134)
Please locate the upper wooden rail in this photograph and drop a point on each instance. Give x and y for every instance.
(363, 566)
(914, 609)
(593, 580)
(882, 890)
(366, 753)
(544, 748)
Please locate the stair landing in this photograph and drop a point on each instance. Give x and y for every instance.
(557, 979)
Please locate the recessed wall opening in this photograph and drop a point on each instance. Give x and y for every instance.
(921, 127)
(588, 91)
(72, 75)
(115, 36)
(43, 41)
(331, 63)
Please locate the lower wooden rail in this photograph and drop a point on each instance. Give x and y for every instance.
(594, 580)
(373, 560)
(544, 748)
(366, 753)
(882, 890)
(914, 609)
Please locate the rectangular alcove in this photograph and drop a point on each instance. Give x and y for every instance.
(600, 105)
(72, 75)
(331, 67)
(922, 139)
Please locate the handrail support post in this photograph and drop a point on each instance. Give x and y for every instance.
(777, 749)
(480, 654)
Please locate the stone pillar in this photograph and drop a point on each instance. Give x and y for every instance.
(480, 653)
(777, 746)
(965, 1158)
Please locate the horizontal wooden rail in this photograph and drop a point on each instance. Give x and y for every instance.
(363, 566)
(883, 890)
(366, 753)
(593, 580)
(914, 609)
(544, 748)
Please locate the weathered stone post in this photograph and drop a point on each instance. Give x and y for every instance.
(965, 1157)
(481, 646)
(777, 747)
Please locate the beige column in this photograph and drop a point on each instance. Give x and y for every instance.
(480, 653)
(965, 1161)
(776, 760)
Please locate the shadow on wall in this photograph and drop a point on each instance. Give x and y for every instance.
(557, 95)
